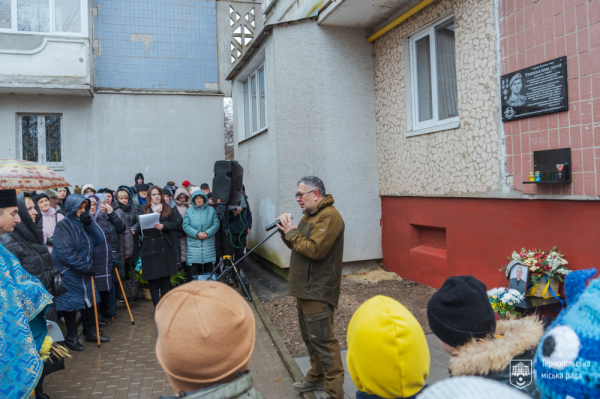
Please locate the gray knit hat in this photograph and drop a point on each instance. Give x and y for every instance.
(470, 388)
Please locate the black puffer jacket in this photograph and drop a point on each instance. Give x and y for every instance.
(26, 242)
(135, 182)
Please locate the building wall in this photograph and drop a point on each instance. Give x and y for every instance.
(260, 160)
(108, 138)
(156, 44)
(535, 32)
(480, 233)
(320, 122)
(466, 161)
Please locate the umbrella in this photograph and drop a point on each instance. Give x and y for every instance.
(25, 175)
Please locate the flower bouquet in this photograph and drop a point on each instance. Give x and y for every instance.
(545, 267)
(504, 301)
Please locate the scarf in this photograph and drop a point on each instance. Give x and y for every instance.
(157, 208)
(23, 298)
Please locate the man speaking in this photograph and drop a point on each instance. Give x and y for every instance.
(317, 246)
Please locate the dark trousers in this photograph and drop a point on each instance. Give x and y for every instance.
(89, 322)
(316, 326)
(238, 248)
(159, 288)
(190, 271)
(104, 305)
(202, 268)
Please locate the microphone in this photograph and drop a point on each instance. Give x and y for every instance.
(274, 224)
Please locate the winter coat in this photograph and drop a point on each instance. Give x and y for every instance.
(26, 242)
(126, 237)
(240, 388)
(491, 357)
(177, 241)
(181, 208)
(49, 220)
(200, 219)
(135, 183)
(158, 250)
(106, 256)
(72, 256)
(317, 252)
(131, 213)
(242, 222)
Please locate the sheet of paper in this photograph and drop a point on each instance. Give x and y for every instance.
(54, 331)
(148, 221)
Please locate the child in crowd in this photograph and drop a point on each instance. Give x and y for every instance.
(462, 318)
(388, 356)
(206, 335)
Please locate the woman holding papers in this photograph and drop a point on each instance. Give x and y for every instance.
(158, 229)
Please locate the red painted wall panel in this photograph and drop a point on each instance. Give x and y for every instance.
(481, 233)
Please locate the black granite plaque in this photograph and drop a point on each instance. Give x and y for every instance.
(537, 90)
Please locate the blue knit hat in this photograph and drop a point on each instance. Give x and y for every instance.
(567, 361)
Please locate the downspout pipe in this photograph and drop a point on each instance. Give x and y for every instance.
(399, 20)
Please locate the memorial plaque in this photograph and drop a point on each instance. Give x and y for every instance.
(537, 90)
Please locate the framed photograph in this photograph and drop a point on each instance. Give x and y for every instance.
(518, 277)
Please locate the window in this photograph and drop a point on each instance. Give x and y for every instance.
(64, 17)
(255, 105)
(433, 77)
(40, 139)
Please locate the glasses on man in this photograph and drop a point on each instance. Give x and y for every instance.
(299, 195)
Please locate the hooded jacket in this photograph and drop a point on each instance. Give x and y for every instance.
(317, 253)
(104, 254)
(388, 355)
(490, 357)
(200, 219)
(26, 242)
(135, 182)
(49, 220)
(181, 207)
(72, 256)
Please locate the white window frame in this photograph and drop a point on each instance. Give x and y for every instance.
(247, 134)
(52, 4)
(41, 122)
(434, 124)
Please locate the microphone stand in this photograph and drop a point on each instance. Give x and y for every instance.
(233, 269)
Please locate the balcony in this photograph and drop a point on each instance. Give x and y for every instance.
(44, 47)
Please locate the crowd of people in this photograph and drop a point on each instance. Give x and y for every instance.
(79, 245)
(206, 330)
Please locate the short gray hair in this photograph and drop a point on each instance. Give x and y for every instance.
(315, 183)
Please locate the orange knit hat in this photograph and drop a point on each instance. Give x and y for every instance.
(206, 334)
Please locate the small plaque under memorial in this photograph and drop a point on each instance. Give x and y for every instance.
(537, 90)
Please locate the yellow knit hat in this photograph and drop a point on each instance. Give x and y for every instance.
(388, 354)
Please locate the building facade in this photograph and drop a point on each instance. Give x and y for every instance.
(450, 171)
(102, 90)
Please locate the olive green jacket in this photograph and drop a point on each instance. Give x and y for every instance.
(317, 253)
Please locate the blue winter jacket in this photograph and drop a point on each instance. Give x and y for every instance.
(200, 219)
(72, 256)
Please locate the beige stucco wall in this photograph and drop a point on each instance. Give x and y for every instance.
(465, 161)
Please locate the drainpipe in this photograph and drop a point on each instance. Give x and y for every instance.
(400, 19)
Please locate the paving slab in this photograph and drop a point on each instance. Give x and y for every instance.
(127, 367)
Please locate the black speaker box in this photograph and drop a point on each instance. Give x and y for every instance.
(227, 183)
